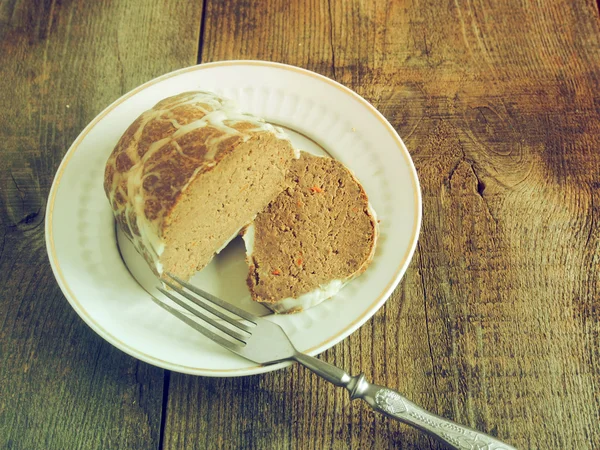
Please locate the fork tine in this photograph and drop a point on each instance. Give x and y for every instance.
(196, 326)
(217, 301)
(209, 308)
(234, 334)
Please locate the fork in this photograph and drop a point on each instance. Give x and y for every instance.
(265, 342)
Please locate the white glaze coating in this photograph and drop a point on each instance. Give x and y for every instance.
(309, 299)
(219, 113)
(248, 238)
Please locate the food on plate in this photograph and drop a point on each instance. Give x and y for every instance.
(318, 234)
(188, 174)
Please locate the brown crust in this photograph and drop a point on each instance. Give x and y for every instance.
(160, 153)
(251, 281)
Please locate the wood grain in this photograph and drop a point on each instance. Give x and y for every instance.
(61, 386)
(496, 322)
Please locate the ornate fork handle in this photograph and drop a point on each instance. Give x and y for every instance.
(394, 405)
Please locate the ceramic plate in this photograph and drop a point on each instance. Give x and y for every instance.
(107, 283)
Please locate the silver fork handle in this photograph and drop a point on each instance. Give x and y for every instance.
(394, 405)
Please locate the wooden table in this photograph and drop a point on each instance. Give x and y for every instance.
(496, 324)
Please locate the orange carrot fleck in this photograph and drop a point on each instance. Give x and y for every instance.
(299, 262)
(355, 209)
(276, 272)
(299, 203)
(316, 189)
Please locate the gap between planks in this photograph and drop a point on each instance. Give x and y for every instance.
(167, 373)
(201, 30)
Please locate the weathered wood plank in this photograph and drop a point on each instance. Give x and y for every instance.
(496, 323)
(62, 63)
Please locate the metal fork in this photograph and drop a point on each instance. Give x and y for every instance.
(265, 342)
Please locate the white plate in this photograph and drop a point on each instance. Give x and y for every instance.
(321, 114)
